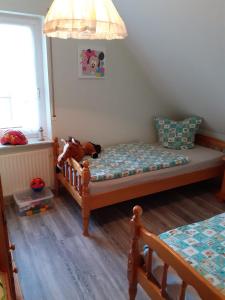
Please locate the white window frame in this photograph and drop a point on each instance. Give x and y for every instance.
(41, 65)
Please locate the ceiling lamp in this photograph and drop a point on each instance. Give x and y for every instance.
(84, 19)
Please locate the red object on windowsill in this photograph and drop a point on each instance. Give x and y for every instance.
(13, 137)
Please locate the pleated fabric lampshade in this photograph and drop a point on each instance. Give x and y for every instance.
(84, 19)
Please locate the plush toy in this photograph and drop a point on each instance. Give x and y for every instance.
(73, 148)
(82, 149)
(37, 184)
(13, 137)
(91, 149)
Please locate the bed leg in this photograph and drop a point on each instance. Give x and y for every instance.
(55, 158)
(221, 194)
(57, 186)
(132, 292)
(134, 255)
(132, 278)
(85, 219)
(85, 197)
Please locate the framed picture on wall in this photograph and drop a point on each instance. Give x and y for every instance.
(91, 63)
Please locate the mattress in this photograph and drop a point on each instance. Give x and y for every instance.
(124, 160)
(202, 245)
(199, 158)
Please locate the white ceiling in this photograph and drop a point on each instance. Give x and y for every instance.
(180, 45)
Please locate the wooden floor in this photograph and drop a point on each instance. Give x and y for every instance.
(57, 262)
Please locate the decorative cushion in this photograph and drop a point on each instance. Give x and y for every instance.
(13, 137)
(177, 134)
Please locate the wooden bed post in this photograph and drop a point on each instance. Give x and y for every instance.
(85, 193)
(221, 194)
(134, 255)
(55, 158)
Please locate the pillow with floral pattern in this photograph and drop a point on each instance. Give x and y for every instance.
(177, 134)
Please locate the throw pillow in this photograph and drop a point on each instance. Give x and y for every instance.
(177, 134)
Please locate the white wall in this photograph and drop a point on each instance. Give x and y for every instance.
(181, 46)
(26, 6)
(116, 109)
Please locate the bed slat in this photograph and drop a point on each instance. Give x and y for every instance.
(75, 178)
(149, 264)
(71, 175)
(183, 290)
(164, 280)
(67, 172)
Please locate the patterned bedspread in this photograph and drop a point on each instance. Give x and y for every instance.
(202, 245)
(129, 159)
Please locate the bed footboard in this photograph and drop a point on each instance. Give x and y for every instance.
(75, 178)
(140, 270)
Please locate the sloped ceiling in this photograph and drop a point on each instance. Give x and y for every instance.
(180, 45)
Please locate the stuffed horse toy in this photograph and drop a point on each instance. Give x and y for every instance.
(73, 148)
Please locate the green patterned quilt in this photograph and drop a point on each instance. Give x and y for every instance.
(202, 245)
(129, 159)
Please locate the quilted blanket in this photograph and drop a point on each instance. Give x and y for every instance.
(129, 159)
(202, 244)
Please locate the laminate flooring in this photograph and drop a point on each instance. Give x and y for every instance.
(56, 262)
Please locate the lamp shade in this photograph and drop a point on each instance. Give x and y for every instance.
(84, 19)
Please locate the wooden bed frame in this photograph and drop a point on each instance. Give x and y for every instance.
(78, 185)
(139, 270)
(8, 268)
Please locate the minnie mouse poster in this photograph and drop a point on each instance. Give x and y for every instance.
(91, 63)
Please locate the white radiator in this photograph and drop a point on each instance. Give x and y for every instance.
(18, 169)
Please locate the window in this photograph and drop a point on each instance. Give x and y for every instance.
(23, 96)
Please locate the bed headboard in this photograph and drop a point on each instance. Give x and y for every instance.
(210, 142)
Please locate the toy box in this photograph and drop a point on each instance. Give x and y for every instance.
(29, 202)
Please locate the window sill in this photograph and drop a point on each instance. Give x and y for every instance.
(33, 144)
